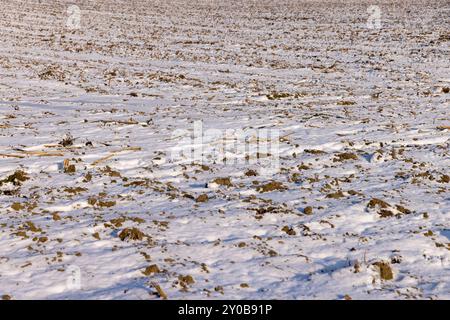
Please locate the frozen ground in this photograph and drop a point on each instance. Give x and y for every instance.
(361, 202)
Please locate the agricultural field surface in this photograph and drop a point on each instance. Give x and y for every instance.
(292, 149)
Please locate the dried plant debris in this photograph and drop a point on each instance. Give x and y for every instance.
(67, 141)
(204, 151)
(159, 291)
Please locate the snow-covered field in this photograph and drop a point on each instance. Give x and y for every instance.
(100, 197)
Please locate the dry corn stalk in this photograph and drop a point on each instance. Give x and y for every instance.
(66, 164)
(160, 291)
(114, 153)
(41, 153)
(11, 155)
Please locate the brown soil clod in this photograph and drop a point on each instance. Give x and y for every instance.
(385, 270)
(223, 182)
(186, 280)
(251, 173)
(87, 177)
(106, 204)
(17, 206)
(314, 151)
(290, 231)
(346, 103)
(429, 233)
(345, 156)
(75, 190)
(16, 178)
(219, 289)
(402, 209)
(374, 202)
(384, 213)
(31, 227)
(271, 186)
(278, 95)
(308, 210)
(92, 201)
(69, 168)
(131, 234)
(151, 270)
(100, 203)
(202, 198)
(336, 195)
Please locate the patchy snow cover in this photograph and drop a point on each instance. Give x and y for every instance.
(100, 198)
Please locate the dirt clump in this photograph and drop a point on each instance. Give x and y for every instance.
(131, 234)
(186, 280)
(202, 198)
(278, 95)
(345, 156)
(314, 151)
(384, 213)
(17, 206)
(346, 103)
(75, 190)
(336, 195)
(106, 204)
(69, 168)
(251, 173)
(16, 178)
(374, 202)
(31, 227)
(223, 182)
(271, 186)
(385, 270)
(290, 231)
(402, 209)
(151, 270)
